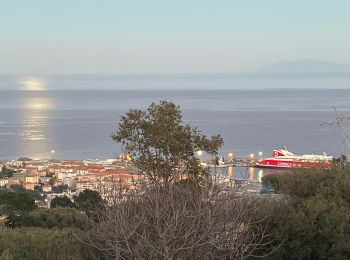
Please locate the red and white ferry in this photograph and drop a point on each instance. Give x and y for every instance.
(282, 158)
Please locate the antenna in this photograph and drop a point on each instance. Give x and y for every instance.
(338, 121)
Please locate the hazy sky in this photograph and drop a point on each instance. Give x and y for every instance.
(159, 36)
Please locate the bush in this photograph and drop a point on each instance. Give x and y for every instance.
(313, 222)
(300, 183)
(40, 244)
(62, 202)
(50, 218)
(179, 223)
(6, 255)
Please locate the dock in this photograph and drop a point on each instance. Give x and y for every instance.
(235, 162)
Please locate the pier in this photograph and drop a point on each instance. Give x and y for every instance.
(234, 162)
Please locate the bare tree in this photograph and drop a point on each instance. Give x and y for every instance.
(177, 213)
(181, 222)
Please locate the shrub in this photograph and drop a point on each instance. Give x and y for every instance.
(179, 223)
(40, 244)
(50, 218)
(313, 221)
(62, 202)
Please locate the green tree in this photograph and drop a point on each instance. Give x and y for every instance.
(89, 201)
(161, 146)
(52, 181)
(50, 218)
(33, 194)
(13, 202)
(62, 202)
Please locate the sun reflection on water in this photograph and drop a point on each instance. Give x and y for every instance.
(36, 109)
(38, 104)
(33, 84)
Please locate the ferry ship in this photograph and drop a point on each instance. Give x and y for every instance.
(282, 158)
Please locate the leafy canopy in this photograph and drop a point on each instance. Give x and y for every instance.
(49, 218)
(16, 202)
(62, 202)
(161, 146)
(89, 201)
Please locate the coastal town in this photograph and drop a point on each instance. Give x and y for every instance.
(52, 178)
(58, 178)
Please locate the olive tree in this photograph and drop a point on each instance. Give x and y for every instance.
(161, 146)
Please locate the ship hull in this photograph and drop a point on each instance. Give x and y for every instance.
(283, 164)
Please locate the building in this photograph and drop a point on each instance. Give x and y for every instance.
(3, 182)
(32, 179)
(29, 186)
(15, 181)
(47, 188)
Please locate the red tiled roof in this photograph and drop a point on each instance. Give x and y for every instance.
(116, 171)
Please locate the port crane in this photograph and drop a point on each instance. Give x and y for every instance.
(345, 135)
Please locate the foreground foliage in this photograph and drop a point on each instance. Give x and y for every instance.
(182, 222)
(49, 218)
(313, 221)
(39, 243)
(14, 202)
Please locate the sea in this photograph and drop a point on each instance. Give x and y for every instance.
(73, 116)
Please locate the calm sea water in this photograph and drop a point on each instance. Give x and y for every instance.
(251, 117)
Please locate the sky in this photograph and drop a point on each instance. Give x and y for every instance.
(160, 36)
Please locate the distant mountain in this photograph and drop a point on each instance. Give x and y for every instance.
(305, 66)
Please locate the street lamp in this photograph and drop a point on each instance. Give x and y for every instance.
(251, 156)
(230, 156)
(199, 153)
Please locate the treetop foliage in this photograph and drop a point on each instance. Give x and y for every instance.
(15, 202)
(62, 202)
(89, 201)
